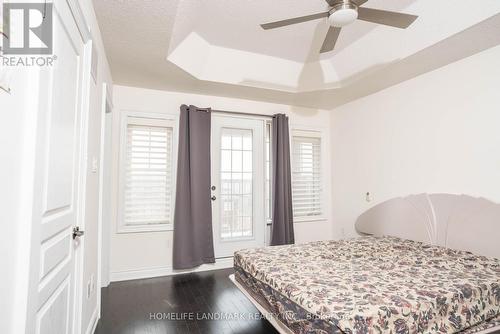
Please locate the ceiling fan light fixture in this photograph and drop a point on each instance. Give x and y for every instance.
(343, 14)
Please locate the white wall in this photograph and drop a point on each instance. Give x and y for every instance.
(439, 132)
(152, 252)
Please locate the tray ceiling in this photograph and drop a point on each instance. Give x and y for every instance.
(218, 46)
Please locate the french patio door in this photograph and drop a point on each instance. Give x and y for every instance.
(237, 184)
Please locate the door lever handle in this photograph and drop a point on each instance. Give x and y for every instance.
(77, 233)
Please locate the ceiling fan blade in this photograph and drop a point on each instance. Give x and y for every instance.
(360, 2)
(393, 19)
(331, 39)
(295, 20)
(331, 2)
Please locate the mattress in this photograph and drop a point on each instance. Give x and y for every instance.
(373, 285)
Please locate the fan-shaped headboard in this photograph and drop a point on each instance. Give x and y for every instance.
(453, 221)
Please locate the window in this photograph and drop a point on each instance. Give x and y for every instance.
(306, 175)
(147, 172)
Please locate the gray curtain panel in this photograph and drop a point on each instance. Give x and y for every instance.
(282, 225)
(193, 239)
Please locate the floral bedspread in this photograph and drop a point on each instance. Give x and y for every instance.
(381, 285)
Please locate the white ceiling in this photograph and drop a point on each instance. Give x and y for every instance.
(218, 47)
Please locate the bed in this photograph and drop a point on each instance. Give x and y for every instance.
(419, 268)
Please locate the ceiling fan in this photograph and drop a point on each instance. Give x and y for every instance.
(344, 12)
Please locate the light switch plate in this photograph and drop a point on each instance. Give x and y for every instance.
(95, 165)
(89, 287)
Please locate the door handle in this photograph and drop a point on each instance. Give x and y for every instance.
(77, 233)
(213, 198)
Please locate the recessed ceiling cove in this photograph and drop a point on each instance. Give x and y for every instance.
(220, 47)
(223, 41)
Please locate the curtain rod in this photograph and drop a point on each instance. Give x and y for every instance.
(241, 113)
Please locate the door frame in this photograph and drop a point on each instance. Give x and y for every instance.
(80, 251)
(83, 27)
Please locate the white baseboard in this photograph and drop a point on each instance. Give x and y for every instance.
(167, 271)
(93, 321)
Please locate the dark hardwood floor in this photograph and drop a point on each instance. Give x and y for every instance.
(180, 304)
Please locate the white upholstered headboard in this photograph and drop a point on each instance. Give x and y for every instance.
(453, 221)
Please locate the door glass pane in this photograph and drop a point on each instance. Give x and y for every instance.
(225, 161)
(237, 158)
(247, 161)
(226, 142)
(236, 183)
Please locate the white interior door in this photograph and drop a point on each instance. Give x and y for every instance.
(57, 200)
(237, 184)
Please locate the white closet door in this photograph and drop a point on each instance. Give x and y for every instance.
(58, 177)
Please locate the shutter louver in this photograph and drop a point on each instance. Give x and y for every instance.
(148, 176)
(306, 176)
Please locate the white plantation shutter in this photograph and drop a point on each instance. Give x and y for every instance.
(148, 178)
(306, 175)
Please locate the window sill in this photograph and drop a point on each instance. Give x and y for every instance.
(309, 220)
(305, 220)
(144, 229)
